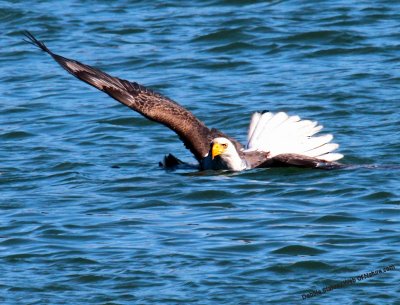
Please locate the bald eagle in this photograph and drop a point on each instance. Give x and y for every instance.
(273, 139)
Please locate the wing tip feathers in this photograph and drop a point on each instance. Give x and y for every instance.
(37, 43)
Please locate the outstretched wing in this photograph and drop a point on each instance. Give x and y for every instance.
(195, 135)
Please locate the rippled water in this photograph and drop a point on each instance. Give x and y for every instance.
(87, 217)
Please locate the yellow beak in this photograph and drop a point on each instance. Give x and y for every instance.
(217, 149)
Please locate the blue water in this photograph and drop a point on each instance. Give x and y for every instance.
(88, 217)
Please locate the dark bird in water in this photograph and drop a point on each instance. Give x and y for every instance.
(272, 140)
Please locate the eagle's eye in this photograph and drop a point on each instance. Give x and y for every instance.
(224, 145)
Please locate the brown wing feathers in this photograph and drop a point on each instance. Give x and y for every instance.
(195, 135)
(295, 160)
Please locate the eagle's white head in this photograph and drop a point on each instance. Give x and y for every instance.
(223, 155)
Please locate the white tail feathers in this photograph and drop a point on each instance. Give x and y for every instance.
(282, 134)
